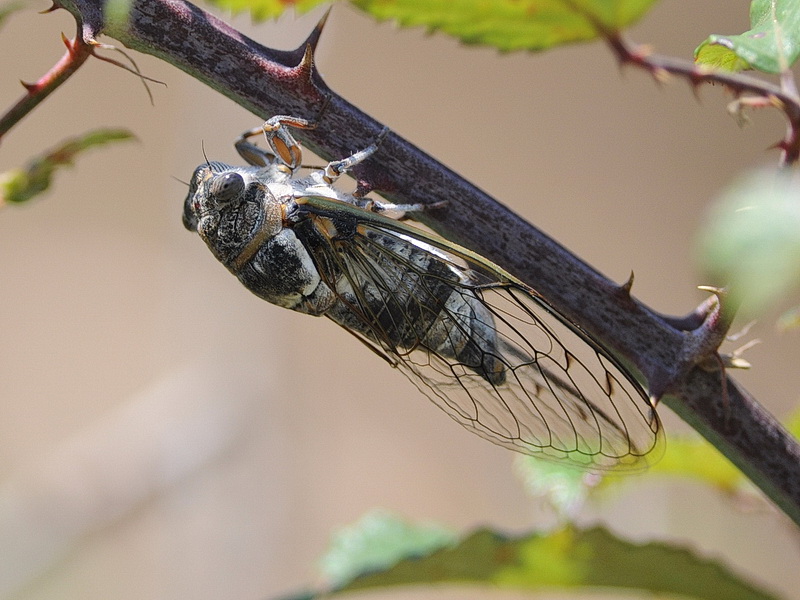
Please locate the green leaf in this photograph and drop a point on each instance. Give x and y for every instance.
(565, 560)
(377, 541)
(772, 44)
(20, 185)
(261, 10)
(752, 241)
(513, 24)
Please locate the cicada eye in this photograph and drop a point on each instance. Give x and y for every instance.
(226, 187)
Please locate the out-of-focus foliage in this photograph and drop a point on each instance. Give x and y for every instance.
(378, 541)
(513, 24)
(504, 24)
(752, 241)
(20, 185)
(565, 560)
(771, 45)
(266, 9)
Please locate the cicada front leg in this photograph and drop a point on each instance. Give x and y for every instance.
(281, 141)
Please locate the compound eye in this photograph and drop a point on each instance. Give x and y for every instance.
(226, 187)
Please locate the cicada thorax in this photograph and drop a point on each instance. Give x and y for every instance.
(421, 301)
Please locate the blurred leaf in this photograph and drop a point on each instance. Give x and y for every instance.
(261, 10)
(695, 458)
(20, 185)
(752, 240)
(512, 24)
(377, 541)
(563, 487)
(8, 8)
(566, 560)
(713, 53)
(771, 45)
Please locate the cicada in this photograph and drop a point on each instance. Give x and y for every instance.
(486, 348)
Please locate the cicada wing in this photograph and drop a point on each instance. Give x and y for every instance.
(563, 396)
(488, 351)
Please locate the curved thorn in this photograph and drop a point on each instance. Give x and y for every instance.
(69, 43)
(720, 293)
(30, 87)
(694, 83)
(730, 361)
(625, 288)
(305, 68)
(52, 8)
(313, 38)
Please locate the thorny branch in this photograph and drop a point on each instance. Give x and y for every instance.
(664, 349)
(77, 53)
(764, 94)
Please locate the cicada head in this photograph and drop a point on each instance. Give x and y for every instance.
(229, 207)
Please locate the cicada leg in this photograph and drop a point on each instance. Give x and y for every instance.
(335, 169)
(280, 140)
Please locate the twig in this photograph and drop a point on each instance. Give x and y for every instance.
(77, 53)
(270, 82)
(766, 94)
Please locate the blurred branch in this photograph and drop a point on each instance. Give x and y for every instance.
(763, 93)
(269, 82)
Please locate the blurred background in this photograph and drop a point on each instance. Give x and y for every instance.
(165, 434)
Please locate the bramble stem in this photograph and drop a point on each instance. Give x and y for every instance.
(270, 82)
(768, 94)
(77, 53)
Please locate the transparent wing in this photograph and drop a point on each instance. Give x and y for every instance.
(488, 351)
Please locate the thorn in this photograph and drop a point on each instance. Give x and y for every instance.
(313, 37)
(661, 75)
(626, 287)
(704, 341)
(735, 362)
(694, 82)
(30, 87)
(52, 8)
(305, 67)
(68, 43)
(720, 293)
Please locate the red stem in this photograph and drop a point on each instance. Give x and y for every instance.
(77, 53)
